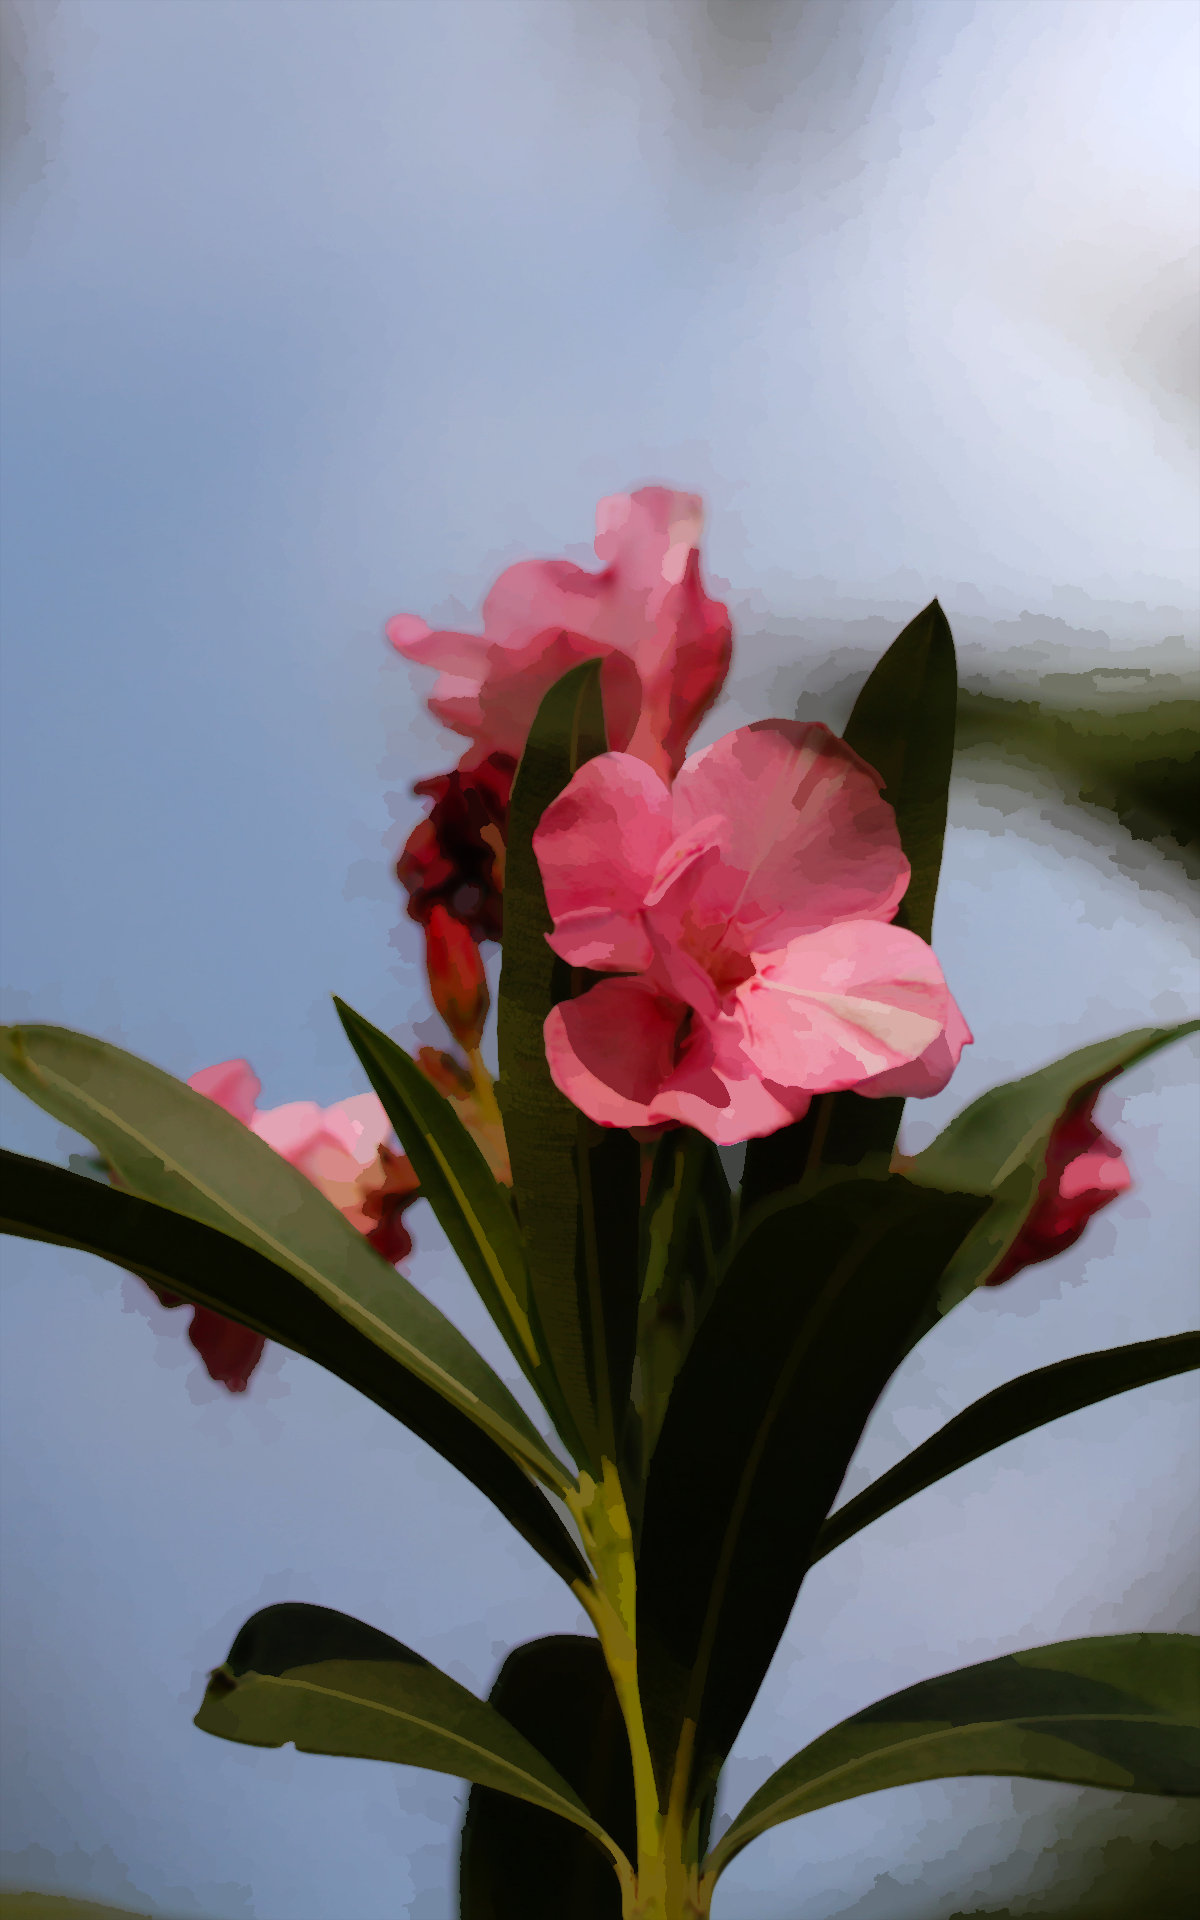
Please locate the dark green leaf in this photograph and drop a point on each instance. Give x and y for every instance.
(42, 1202)
(1122, 1712)
(997, 1146)
(686, 1227)
(326, 1683)
(169, 1144)
(805, 1329)
(903, 726)
(1018, 1407)
(519, 1862)
(472, 1208)
(575, 1184)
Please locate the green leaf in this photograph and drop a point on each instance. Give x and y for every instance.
(472, 1208)
(326, 1683)
(575, 1185)
(998, 1145)
(903, 726)
(520, 1862)
(1019, 1407)
(42, 1202)
(1121, 1712)
(686, 1228)
(806, 1327)
(169, 1144)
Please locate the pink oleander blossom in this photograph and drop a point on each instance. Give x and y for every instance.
(1085, 1170)
(344, 1151)
(747, 909)
(646, 609)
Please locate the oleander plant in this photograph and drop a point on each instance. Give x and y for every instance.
(698, 951)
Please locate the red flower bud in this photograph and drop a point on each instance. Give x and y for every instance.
(1084, 1171)
(229, 1351)
(456, 977)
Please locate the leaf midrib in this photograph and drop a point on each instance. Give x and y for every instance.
(459, 1392)
(737, 1837)
(576, 1813)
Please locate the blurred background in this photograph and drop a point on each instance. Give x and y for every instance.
(316, 311)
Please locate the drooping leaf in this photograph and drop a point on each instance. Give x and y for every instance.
(575, 1185)
(326, 1683)
(903, 726)
(520, 1862)
(1019, 1407)
(1120, 1712)
(997, 1146)
(171, 1145)
(42, 1202)
(805, 1329)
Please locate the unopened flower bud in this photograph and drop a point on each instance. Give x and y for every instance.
(456, 977)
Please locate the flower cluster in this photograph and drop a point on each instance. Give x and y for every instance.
(740, 901)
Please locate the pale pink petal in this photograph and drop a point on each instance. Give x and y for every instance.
(931, 1072)
(233, 1085)
(843, 1006)
(598, 845)
(369, 1122)
(809, 840)
(1100, 1169)
(298, 1128)
(611, 1050)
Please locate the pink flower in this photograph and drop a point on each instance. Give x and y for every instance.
(1084, 1171)
(343, 1150)
(747, 907)
(646, 609)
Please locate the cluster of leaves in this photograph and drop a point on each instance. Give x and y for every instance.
(707, 1361)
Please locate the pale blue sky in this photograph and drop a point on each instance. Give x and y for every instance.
(314, 313)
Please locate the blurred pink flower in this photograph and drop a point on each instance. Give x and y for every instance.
(344, 1151)
(646, 608)
(747, 907)
(1084, 1171)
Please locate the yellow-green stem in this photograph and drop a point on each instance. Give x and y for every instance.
(667, 1885)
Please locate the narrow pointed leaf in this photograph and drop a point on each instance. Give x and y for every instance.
(686, 1228)
(1120, 1712)
(1019, 1407)
(997, 1146)
(520, 1862)
(903, 726)
(471, 1207)
(206, 1267)
(805, 1329)
(576, 1185)
(326, 1683)
(169, 1144)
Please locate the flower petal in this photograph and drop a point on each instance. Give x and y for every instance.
(611, 1050)
(844, 1006)
(719, 1089)
(931, 1072)
(598, 845)
(233, 1085)
(808, 839)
